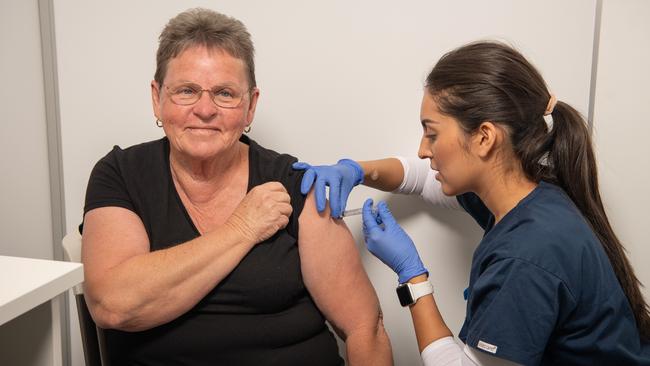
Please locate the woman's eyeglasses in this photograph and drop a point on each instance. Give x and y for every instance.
(187, 94)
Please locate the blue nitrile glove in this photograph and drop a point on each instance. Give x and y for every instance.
(390, 243)
(341, 178)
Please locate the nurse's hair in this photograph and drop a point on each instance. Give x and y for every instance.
(490, 81)
(207, 28)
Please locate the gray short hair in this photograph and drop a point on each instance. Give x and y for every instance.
(208, 28)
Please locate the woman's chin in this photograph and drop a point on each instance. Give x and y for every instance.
(203, 150)
(204, 145)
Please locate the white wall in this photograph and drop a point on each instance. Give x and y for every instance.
(25, 216)
(622, 125)
(338, 79)
(25, 224)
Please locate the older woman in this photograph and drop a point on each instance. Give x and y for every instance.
(190, 242)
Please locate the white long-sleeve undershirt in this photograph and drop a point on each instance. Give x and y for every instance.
(446, 352)
(420, 179)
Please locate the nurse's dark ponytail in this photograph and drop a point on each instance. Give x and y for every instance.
(576, 172)
(489, 81)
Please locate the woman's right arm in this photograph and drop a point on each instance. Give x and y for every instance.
(127, 287)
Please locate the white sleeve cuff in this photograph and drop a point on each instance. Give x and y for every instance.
(442, 352)
(446, 352)
(420, 179)
(415, 175)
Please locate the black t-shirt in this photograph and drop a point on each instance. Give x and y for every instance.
(260, 314)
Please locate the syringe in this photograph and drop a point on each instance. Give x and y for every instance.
(354, 211)
(358, 211)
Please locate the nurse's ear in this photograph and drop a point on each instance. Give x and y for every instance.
(487, 139)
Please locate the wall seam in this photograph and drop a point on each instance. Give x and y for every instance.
(53, 127)
(594, 65)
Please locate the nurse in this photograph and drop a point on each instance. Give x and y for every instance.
(550, 283)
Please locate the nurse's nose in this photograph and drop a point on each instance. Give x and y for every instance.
(424, 151)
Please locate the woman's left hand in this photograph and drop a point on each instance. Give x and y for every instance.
(387, 241)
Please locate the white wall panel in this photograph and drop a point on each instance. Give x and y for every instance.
(622, 126)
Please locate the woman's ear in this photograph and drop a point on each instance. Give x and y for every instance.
(486, 139)
(155, 98)
(252, 105)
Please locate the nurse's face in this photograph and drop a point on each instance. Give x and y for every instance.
(203, 130)
(446, 145)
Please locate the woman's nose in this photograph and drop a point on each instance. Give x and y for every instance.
(205, 107)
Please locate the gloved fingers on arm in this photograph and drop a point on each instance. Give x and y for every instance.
(319, 191)
(307, 181)
(335, 198)
(346, 189)
(300, 165)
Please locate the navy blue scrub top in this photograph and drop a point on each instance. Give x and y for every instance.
(542, 290)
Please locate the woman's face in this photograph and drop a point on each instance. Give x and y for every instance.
(203, 130)
(448, 148)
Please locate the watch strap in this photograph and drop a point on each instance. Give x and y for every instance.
(420, 289)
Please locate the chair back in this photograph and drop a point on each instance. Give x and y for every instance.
(72, 253)
(90, 334)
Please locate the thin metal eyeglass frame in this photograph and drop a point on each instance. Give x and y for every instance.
(212, 97)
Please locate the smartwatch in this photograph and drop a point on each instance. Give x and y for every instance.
(409, 293)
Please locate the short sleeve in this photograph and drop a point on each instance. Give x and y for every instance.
(291, 180)
(471, 203)
(512, 310)
(106, 186)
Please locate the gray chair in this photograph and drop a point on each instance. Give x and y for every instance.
(91, 336)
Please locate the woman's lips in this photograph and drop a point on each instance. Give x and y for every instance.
(202, 130)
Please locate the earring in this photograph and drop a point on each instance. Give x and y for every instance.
(247, 129)
(158, 122)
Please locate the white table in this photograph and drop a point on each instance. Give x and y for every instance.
(26, 283)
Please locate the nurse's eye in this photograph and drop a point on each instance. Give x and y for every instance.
(431, 137)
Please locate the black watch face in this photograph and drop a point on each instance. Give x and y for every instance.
(404, 295)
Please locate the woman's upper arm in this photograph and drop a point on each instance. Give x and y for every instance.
(111, 235)
(333, 272)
